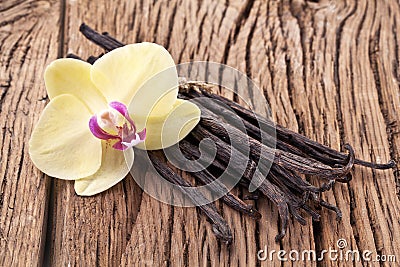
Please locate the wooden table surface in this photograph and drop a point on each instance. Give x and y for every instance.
(328, 69)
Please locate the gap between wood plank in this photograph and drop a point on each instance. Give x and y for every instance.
(49, 213)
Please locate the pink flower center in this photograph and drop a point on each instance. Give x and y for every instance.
(115, 124)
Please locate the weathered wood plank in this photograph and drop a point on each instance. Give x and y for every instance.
(29, 34)
(337, 98)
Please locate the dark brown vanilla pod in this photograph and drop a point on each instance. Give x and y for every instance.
(205, 177)
(104, 40)
(286, 136)
(277, 162)
(219, 225)
(288, 199)
(284, 159)
(286, 202)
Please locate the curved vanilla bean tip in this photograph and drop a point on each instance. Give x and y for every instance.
(254, 213)
(330, 206)
(391, 164)
(314, 215)
(327, 186)
(295, 213)
(350, 160)
(349, 165)
(284, 218)
(379, 166)
(222, 233)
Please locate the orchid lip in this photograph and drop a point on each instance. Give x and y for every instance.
(125, 133)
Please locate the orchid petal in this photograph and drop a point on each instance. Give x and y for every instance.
(118, 106)
(156, 96)
(72, 76)
(122, 109)
(119, 146)
(142, 135)
(120, 73)
(165, 131)
(61, 144)
(97, 131)
(132, 142)
(114, 167)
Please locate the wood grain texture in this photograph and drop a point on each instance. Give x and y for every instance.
(29, 37)
(328, 69)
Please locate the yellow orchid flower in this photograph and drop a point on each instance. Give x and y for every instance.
(98, 112)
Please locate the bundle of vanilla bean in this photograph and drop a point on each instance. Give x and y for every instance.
(276, 163)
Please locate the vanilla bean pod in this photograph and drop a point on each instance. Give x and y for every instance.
(293, 204)
(254, 171)
(267, 137)
(285, 201)
(286, 159)
(321, 152)
(293, 162)
(224, 154)
(219, 225)
(303, 165)
(205, 177)
(104, 40)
